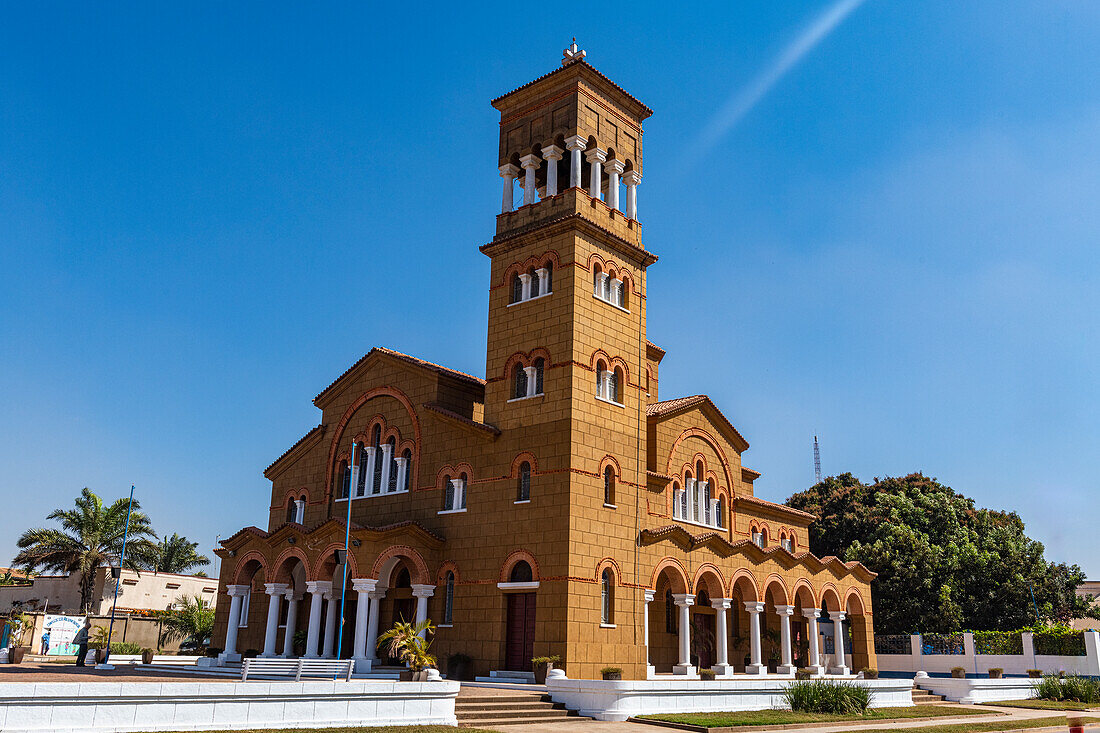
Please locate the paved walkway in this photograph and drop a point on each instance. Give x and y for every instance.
(48, 672)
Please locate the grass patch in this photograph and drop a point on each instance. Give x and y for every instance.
(786, 717)
(1036, 704)
(1059, 722)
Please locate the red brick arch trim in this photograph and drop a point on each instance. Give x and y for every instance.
(856, 595)
(609, 460)
(526, 359)
(677, 573)
(709, 570)
(253, 555)
(830, 592)
(743, 577)
(420, 574)
(803, 584)
(709, 440)
(295, 494)
(448, 567)
(536, 261)
(514, 557)
(282, 565)
(627, 273)
(343, 423)
(608, 562)
(773, 580)
(326, 555)
(519, 459)
(454, 472)
(611, 362)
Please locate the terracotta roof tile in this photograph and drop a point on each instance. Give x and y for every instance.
(301, 440)
(445, 371)
(580, 62)
(773, 506)
(435, 407)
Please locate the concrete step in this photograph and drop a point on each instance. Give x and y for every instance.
(517, 697)
(506, 680)
(507, 705)
(512, 674)
(510, 714)
(489, 722)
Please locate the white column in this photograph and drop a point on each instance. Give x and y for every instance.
(236, 594)
(300, 511)
(544, 280)
(275, 593)
(786, 656)
(376, 597)
(292, 600)
(530, 164)
(720, 606)
(372, 456)
(552, 154)
(329, 650)
(684, 601)
(402, 469)
(575, 144)
(317, 589)
(649, 596)
(422, 593)
(841, 666)
(596, 157)
(755, 608)
(614, 170)
(387, 466)
(601, 286)
(814, 635)
(508, 173)
(531, 385)
(632, 179)
(525, 281)
(362, 586)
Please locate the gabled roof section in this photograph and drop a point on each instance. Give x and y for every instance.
(653, 351)
(305, 441)
(486, 428)
(585, 69)
(381, 352)
(659, 411)
(771, 505)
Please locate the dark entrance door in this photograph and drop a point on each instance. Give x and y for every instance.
(519, 644)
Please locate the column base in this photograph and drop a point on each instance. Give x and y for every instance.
(650, 672)
(786, 669)
(757, 669)
(816, 670)
(363, 664)
(686, 670)
(228, 658)
(722, 670)
(840, 670)
(272, 655)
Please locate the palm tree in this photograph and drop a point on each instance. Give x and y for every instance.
(90, 534)
(191, 617)
(176, 555)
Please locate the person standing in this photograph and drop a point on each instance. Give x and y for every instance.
(81, 641)
(45, 642)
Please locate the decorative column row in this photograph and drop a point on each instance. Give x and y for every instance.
(317, 589)
(275, 592)
(684, 601)
(292, 600)
(236, 594)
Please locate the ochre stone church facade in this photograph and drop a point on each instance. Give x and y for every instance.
(557, 506)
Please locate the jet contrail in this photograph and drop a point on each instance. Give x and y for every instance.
(744, 100)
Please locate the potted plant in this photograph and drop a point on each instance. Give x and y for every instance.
(1035, 673)
(19, 625)
(707, 675)
(869, 673)
(612, 673)
(458, 667)
(404, 642)
(146, 656)
(995, 673)
(958, 672)
(803, 674)
(542, 665)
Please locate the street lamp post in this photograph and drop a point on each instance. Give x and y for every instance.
(116, 562)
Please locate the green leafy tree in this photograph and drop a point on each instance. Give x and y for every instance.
(176, 555)
(90, 534)
(942, 563)
(190, 617)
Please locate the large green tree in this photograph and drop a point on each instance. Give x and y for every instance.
(176, 554)
(189, 617)
(942, 563)
(90, 534)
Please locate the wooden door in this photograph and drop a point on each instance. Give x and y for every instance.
(519, 627)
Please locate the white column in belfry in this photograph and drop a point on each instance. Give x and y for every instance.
(632, 179)
(530, 165)
(614, 170)
(575, 144)
(508, 173)
(596, 158)
(552, 154)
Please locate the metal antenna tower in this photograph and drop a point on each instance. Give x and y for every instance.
(817, 461)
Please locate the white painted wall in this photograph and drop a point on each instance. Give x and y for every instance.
(972, 690)
(980, 664)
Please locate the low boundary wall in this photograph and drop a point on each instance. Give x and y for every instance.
(980, 664)
(619, 700)
(120, 707)
(969, 691)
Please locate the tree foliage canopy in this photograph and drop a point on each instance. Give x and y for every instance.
(175, 554)
(942, 563)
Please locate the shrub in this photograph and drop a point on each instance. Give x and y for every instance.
(869, 673)
(827, 696)
(125, 647)
(958, 672)
(1035, 673)
(995, 673)
(1072, 688)
(552, 659)
(706, 674)
(612, 673)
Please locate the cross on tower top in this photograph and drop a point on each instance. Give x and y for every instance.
(571, 54)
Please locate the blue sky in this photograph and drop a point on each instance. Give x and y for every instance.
(208, 214)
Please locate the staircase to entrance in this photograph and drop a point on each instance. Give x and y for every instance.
(477, 707)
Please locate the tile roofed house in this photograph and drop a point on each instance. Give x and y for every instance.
(556, 506)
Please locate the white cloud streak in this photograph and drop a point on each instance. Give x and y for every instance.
(742, 102)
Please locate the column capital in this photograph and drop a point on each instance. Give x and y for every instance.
(400, 460)
(784, 610)
(276, 589)
(595, 155)
(524, 277)
(754, 606)
(811, 612)
(632, 178)
(576, 142)
(530, 161)
(721, 603)
(237, 590)
(364, 585)
(650, 594)
(615, 166)
(552, 152)
(837, 615)
(292, 595)
(509, 171)
(423, 591)
(683, 599)
(541, 269)
(318, 587)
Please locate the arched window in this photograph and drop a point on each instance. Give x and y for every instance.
(601, 379)
(392, 442)
(670, 612)
(615, 392)
(534, 282)
(521, 573)
(523, 487)
(517, 288)
(408, 454)
(624, 294)
(300, 510)
(757, 538)
(720, 520)
(449, 599)
(539, 364)
(462, 492)
(597, 281)
(549, 267)
(609, 486)
(607, 597)
(676, 501)
(376, 443)
(519, 382)
(343, 480)
(607, 285)
(764, 537)
(361, 484)
(699, 470)
(291, 509)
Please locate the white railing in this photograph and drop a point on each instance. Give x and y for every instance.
(932, 658)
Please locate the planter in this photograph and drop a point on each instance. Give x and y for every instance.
(147, 656)
(540, 671)
(958, 673)
(612, 675)
(996, 673)
(458, 667)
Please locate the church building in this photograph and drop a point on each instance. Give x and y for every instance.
(557, 505)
